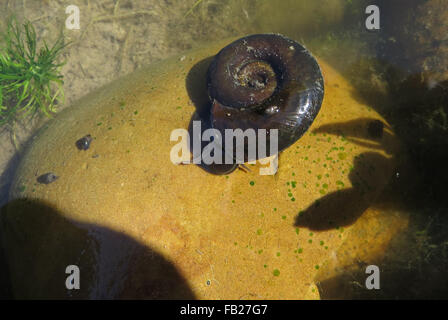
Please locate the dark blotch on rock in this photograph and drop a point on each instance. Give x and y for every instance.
(47, 178)
(84, 142)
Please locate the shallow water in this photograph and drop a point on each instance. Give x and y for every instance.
(404, 81)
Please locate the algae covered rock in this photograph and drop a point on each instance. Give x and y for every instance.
(139, 226)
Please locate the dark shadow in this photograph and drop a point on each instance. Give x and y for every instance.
(340, 287)
(345, 206)
(366, 132)
(213, 167)
(7, 177)
(403, 275)
(196, 84)
(5, 281)
(416, 108)
(112, 265)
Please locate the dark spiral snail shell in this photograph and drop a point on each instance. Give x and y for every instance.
(264, 81)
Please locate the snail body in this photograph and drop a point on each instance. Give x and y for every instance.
(264, 81)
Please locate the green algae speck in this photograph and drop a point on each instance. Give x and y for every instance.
(276, 272)
(342, 156)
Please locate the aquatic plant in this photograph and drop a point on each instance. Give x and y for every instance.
(30, 79)
(198, 2)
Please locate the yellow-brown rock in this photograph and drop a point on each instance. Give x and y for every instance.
(139, 226)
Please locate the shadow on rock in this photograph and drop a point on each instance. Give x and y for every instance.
(370, 169)
(345, 206)
(40, 243)
(196, 84)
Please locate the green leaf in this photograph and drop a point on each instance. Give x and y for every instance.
(30, 80)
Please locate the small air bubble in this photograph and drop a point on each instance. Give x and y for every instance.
(272, 109)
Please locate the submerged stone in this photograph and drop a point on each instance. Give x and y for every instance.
(138, 226)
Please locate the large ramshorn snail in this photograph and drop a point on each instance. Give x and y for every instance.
(263, 81)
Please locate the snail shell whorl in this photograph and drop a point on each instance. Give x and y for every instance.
(265, 81)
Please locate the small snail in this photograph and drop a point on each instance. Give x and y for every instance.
(84, 142)
(47, 178)
(263, 81)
